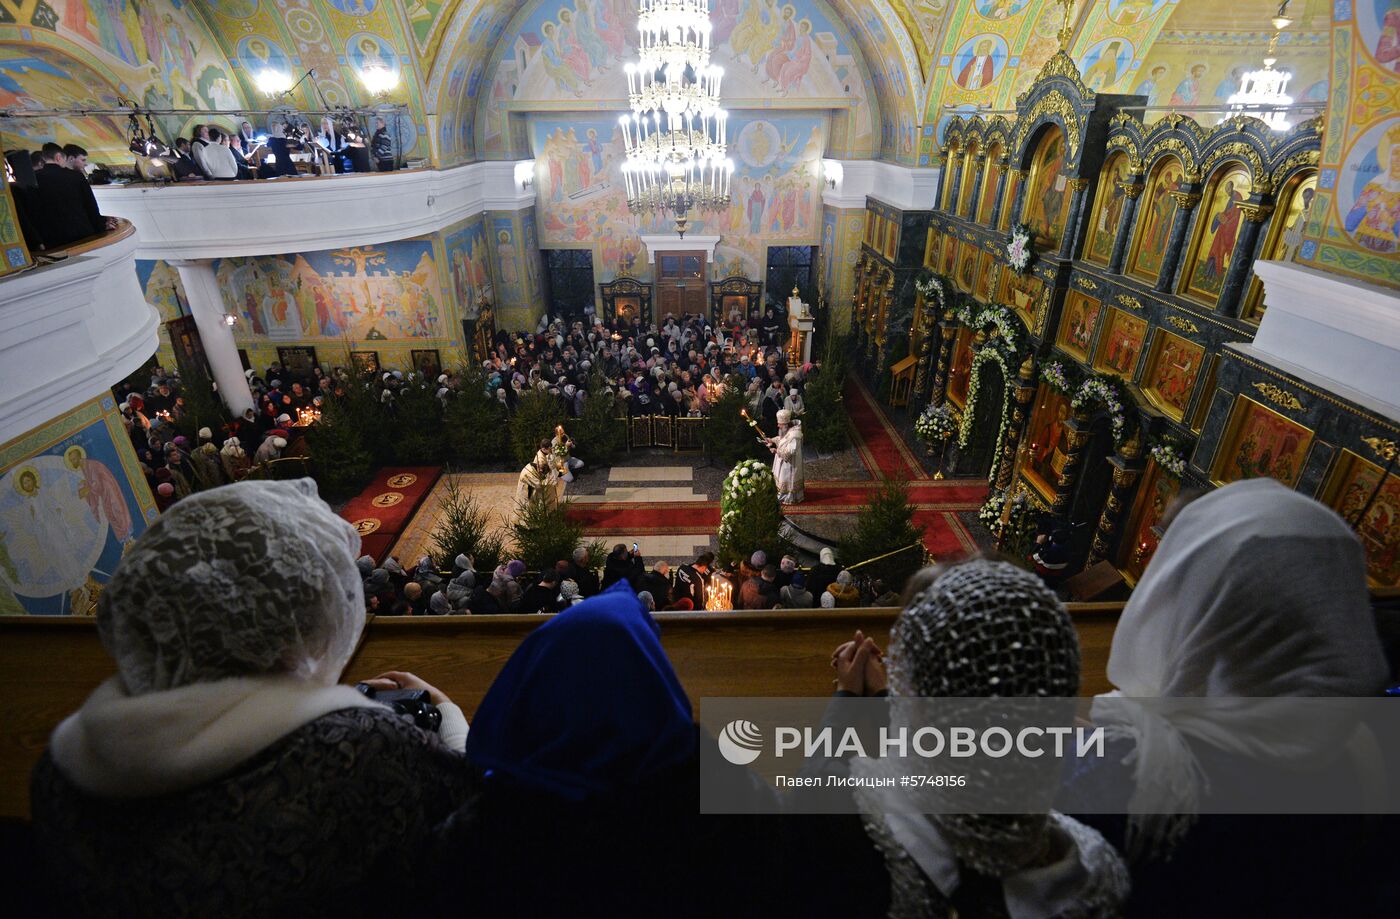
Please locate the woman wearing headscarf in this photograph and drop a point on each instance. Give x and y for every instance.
(824, 572)
(978, 630)
(589, 759)
(1256, 592)
(222, 771)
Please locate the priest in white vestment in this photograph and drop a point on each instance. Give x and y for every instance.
(787, 458)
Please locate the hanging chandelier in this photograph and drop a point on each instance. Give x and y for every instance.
(1261, 92)
(675, 138)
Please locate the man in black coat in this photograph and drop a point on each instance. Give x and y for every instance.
(67, 210)
(542, 597)
(581, 573)
(657, 582)
(693, 581)
(622, 565)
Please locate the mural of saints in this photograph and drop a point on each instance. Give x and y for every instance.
(1379, 526)
(1077, 327)
(1374, 218)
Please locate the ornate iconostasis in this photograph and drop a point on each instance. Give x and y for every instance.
(1082, 300)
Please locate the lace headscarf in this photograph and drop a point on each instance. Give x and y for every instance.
(249, 579)
(1258, 593)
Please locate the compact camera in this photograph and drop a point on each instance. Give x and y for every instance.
(411, 703)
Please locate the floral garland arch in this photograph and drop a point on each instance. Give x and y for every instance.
(1101, 390)
(1003, 348)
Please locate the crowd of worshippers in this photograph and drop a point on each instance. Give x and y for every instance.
(57, 207)
(679, 368)
(754, 583)
(151, 408)
(197, 780)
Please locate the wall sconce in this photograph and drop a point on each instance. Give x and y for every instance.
(525, 174)
(230, 320)
(833, 172)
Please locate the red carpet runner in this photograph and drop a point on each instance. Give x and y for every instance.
(881, 448)
(383, 510)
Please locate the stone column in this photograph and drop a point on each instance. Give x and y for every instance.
(1241, 261)
(1078, 438)
(215, 334)
(1127, 469)
(1131, 192)
(1078, 192)
(948, 332)
(1020, 412)
(1186, 202)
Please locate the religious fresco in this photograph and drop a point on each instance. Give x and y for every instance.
(1219, 220)
(474, 31)
(1105, 63)
(1169, 376)
(1047, 444)
(1352, 229)
(1200, 55)
(1076, 329)
(950, 256)
(1047, 200)
(567, 53)
(775, 197)
(839, 253)
(337, 40)
(1349, 491)
(160, 283)
(469, 280)
(979, 61)
(71, 500)
(1107, 214)
(14, 252)
(1154, 496)
(967, 269)
(1260, 442)
(362, 294)
(1121, 343)
(1285, 236)
(1156, 214)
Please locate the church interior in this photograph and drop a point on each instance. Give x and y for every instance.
(776, 326)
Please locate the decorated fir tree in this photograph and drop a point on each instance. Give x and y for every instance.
(750, 515)
(464, 529)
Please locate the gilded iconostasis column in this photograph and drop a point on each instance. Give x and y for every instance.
(1077, 436)
(1131, 192)
(1186, 202)
(948, 331)
(1127, 469)
(978, 172)
(1000, 201)
(1242, 260)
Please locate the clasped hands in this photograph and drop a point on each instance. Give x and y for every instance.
(860, 667)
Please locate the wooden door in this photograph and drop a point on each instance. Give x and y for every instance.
(680, 285)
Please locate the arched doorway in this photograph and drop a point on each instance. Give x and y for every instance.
(988, 407)
(1091, 491)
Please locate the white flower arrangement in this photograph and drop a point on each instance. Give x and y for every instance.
(930, 287)
(998, 316)
(1018, 248)
(1169, 457)
(1098, 389)
(936, 424)
(1055, 374)
(989, 514)
(744, 482)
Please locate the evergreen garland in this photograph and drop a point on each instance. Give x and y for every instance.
(883, 524)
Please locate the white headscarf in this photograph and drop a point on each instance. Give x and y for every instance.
(230, 620)
(1256, 592)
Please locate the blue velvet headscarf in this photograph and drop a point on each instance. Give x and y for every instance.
(587, 704)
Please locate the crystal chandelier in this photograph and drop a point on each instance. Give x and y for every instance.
(675, 137)
(1261, 92)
